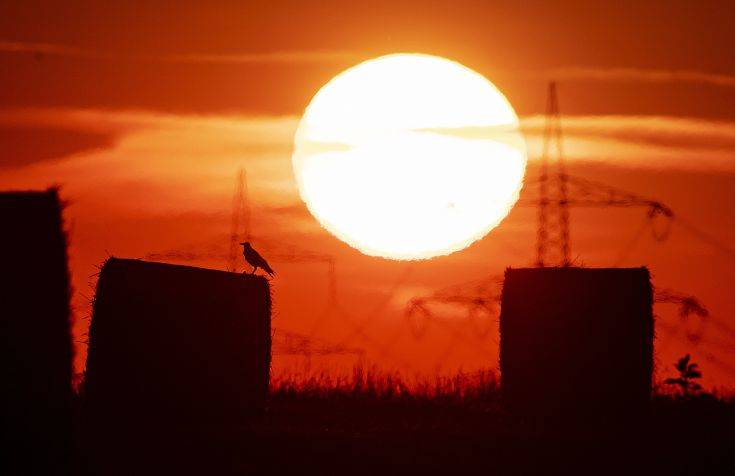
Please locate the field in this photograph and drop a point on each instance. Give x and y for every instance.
(377, 423)
(192, 395)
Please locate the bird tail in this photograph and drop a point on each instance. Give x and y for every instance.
(269, 270)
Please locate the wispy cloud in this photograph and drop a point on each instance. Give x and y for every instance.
(264, 129)
(200, 154)
(658, 142)
(638, 75)
(23, 145)
(171, 152)
(43, 49)
(682, 132)
(571, 73)
(632, 141)
(266, 57)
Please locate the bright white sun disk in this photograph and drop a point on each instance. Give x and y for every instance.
(409, 156)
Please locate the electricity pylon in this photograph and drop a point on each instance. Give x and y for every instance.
(240, 219)
(552, 236)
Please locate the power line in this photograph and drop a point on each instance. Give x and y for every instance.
(632, 243)
(706, 237)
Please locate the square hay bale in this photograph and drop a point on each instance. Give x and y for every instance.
(176, 345)
(576, 341)
(35, 342)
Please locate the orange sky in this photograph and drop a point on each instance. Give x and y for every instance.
(145, 115)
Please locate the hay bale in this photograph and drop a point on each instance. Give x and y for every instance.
(576, 341)
(35, 342)
(176, 345)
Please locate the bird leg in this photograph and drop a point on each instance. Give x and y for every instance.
(254, 269)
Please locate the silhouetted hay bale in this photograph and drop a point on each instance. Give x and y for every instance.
(576, 341)
(35, 342)
(176, 347)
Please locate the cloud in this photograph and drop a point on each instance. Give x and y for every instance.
(657, 142)
(634, 141)
(191, 159)
(164, 163)
(246, 137)
(572, 73)
(267, 57)
(655, 130)
(638, 75)
(137, 120)
(44, 49)
(24, 145)
(184, 161)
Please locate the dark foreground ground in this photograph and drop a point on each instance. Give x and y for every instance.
(364, 430)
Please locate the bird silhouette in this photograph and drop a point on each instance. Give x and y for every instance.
(255, 260)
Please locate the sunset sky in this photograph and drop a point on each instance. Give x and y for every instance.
(144, 114)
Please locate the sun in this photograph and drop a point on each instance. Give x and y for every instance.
(409, 156)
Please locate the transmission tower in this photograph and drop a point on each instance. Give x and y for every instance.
(552, 239)
(480, 299)
(240, 219)
(558, 191)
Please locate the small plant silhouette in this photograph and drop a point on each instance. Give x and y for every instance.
(688, 372)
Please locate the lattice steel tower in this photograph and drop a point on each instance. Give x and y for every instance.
(240, 224)
(552, 239)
